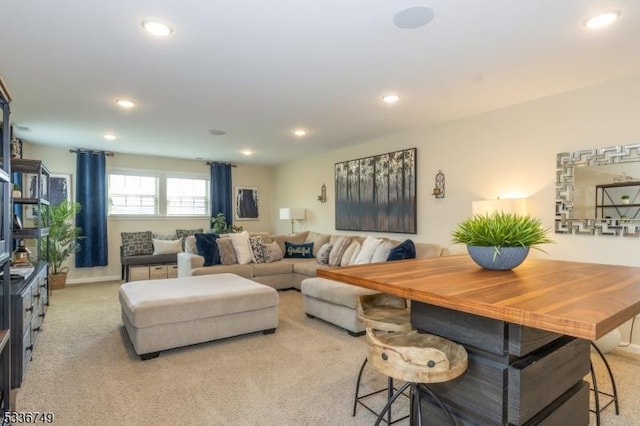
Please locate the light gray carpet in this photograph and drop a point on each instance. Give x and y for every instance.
(85, 371)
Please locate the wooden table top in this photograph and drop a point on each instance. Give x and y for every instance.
(584, 300)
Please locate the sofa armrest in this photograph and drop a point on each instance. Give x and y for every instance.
(187, 262)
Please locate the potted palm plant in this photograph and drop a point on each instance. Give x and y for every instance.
(500, 241)
(62, 241)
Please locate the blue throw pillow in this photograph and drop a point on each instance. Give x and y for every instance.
(300, 251)
(207, 248)
(404, 250)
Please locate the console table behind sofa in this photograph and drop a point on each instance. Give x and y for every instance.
(169, 261)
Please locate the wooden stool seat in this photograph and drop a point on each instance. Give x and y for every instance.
(384, 312)
(416, 357)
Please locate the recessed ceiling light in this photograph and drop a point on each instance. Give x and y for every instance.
(391, 99)
(110, 136)
(157, 28)
(300, 132)
(602, 19)
(413, 17)
(125, 103)
(246, 152)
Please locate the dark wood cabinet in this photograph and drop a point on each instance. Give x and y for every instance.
(29, 302)
(5, 252)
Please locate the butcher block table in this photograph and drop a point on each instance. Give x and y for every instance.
(527, 331)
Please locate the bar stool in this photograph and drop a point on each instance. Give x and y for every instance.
(597, 392)
(385, 313)
(417, 359)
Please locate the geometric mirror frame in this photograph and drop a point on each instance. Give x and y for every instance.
(566, 164)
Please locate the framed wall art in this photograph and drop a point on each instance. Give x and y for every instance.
(377, 193)
(60, 188)
(246, 203)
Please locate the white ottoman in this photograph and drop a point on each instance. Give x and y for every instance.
(170, 313)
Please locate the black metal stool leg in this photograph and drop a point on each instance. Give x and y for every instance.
(391, 401)
(596, 395)
(611, 378)
(355, 400)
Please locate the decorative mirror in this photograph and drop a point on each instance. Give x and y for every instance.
(598, 191)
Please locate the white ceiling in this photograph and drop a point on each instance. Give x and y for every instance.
(257, 69)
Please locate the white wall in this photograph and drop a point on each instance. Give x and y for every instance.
(60, 160)
(508, 152)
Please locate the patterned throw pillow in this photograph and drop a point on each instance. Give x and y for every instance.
(166, 237)
(137, 243)
(323, 254)
(227, 253)
(257, 249)
(272, 252)
(207, 248)
(298, 251)
(184, 233)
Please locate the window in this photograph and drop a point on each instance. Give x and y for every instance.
(133, 195)
(156, 194)
(187, 197)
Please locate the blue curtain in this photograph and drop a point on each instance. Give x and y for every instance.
(91, 183)
(221, 195)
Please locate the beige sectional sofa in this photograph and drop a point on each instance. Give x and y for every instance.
(325, 299)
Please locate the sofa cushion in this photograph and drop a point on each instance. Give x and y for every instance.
(369, 246)
(307, 268)
(166, 246)
(275, 268)
(241, 246)
(272, 252)
(318, 241)
(298, 238)
(245, 271)
(208, 248)
(257, 249)
(338, 246)
(137, 243)
(323, 254)
(334, 291)
(298, 251)
(382, 252)
(406, 250)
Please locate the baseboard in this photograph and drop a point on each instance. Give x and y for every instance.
(627, 349)
(93, 279)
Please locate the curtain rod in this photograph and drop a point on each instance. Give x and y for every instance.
(107, 153)
(221, 162)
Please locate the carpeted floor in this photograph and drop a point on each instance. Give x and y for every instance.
(85, 371)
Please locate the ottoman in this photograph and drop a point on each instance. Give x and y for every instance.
(175, 312)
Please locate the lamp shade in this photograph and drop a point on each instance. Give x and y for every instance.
(291, 213)
(506, 205)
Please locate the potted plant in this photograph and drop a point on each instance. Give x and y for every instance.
(219, 225)
(500, 241)
(625, 199)
(62, 241)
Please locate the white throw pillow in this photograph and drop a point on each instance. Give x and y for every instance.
(382, 252)
(369, 246)
(167, 247)
(241, 247)
(350, 253)
(190, 244)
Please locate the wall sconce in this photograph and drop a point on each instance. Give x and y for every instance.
(292, 213)
(323, 194)
(438, 189)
